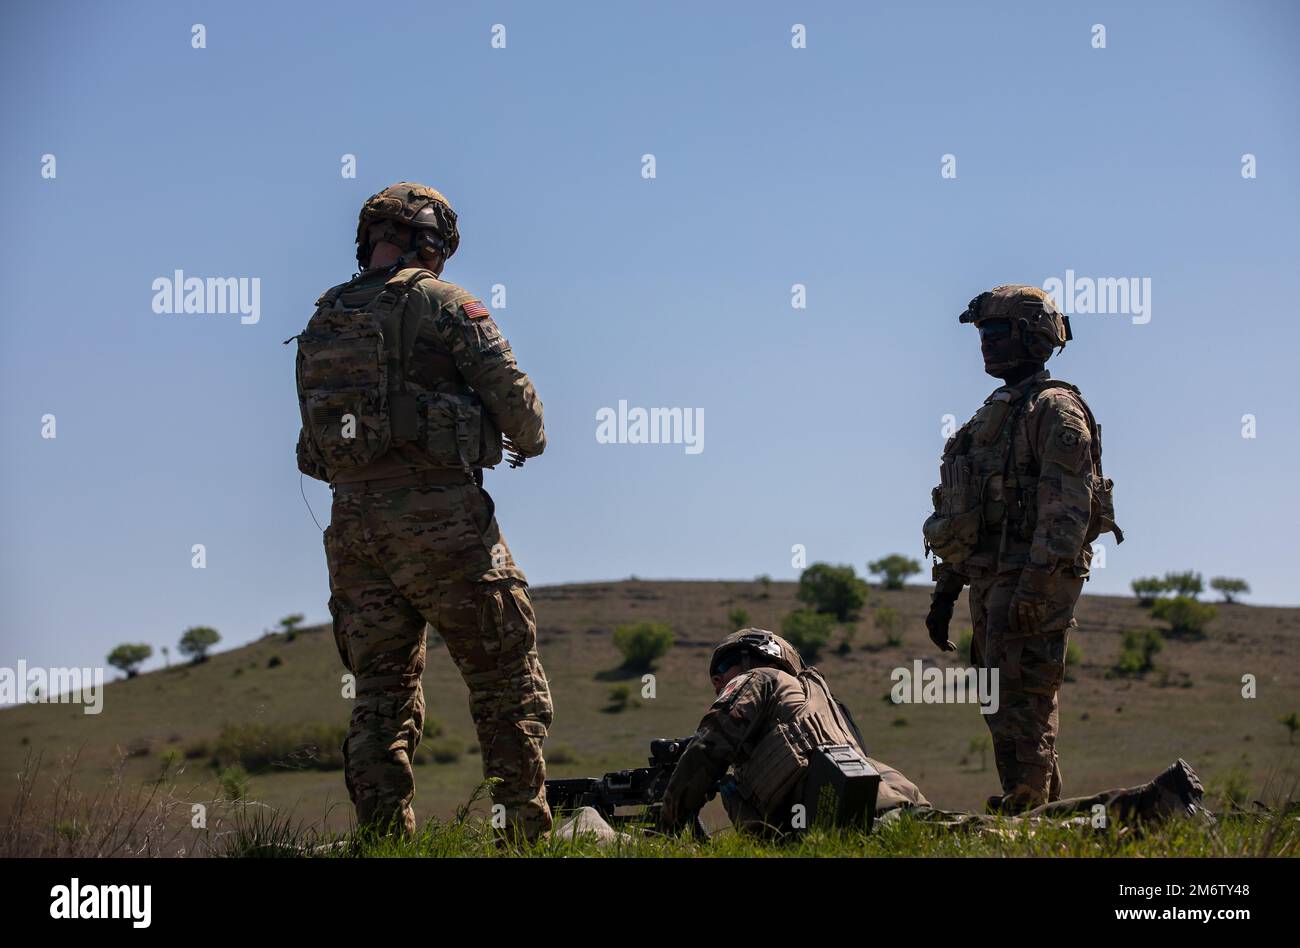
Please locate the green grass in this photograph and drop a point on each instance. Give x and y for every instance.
(156, 818)
(1241, 835)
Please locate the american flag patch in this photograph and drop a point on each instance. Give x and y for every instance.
(474, 309)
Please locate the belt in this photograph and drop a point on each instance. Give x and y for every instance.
(438, 477)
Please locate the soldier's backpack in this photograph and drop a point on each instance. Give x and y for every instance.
(356, 398)
(343, 371)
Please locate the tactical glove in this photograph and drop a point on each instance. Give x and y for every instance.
(1028, 609)
(946, 591)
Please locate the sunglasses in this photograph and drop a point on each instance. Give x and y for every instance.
(993, 329)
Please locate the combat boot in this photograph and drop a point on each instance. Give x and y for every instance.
(1175, 792)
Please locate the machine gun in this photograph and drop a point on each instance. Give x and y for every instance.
(641, 789)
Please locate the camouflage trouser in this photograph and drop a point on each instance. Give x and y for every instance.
(1030, 671)
(1123, 807)
(402, 557)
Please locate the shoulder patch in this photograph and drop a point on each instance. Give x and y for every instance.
(474, 309)
(730, 688)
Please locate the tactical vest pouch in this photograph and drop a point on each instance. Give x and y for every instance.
(1103, 510)
(953, 530)
(773, 770)
(841, 788)
(404, 417)
(342, 372)
(457, 431)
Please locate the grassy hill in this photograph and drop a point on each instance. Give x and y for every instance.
(282, 690)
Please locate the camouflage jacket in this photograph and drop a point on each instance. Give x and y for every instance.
(457, 345)
(763, 724)
(1026, 473)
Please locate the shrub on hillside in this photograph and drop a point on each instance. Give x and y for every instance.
(808, 631)
(260, 748)
(1186, 617)
(1138, 651)
(836, 590)
(888, 621)
(1073, 658)
(445, 751)
(642, 643)
(620, 697)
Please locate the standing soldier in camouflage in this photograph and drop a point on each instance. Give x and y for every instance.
(1021, 498)
(406, 388)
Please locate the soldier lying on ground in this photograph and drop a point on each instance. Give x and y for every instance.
(771, 710)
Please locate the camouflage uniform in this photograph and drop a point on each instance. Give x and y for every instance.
(413, 540)
(1020, 500)
(762, 725)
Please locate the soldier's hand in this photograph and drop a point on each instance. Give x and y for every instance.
(669, 822)
(938, 618)
(1028, 609)
(514, 457)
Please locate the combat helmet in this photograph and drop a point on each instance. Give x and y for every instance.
(408, 204)
(767, 647)
(1040, 326)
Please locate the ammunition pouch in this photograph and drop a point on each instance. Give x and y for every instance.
(841, 789)
(953, 530)
(455, 430)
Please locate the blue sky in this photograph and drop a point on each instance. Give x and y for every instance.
(774, 166)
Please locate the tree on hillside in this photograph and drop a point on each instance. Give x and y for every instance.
(289, 625)
(1230, 588)
(807, 630)
(1148, 589)
(642, 643)
(1187, 583)
(196, 641)
(127, 657)
(833, 589)
(895, 568)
